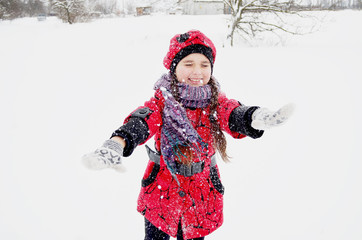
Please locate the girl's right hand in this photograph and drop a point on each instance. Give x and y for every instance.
(106, 156)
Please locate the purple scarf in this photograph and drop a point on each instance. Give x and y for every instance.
(176, 128)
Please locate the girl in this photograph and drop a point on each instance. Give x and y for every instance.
(181, 194)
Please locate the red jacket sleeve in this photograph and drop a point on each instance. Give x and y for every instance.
(141, 124)
(226, 107)
(235, 118)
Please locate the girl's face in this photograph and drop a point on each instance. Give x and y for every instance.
(194, 69)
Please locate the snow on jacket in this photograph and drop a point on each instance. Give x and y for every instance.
(198, 201)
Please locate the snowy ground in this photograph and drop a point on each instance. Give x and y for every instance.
(64, 89)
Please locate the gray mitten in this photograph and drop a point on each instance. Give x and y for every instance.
(107, 156)
(263, 118)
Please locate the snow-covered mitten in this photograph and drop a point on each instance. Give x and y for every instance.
(107, 156)
(263, 118)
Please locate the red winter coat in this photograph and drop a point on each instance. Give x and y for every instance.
(198, 201)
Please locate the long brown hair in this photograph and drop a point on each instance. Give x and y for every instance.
(220, 142)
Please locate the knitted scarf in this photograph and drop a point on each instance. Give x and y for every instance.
(177, 130)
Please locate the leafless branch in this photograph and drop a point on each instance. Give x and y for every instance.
(256, 16)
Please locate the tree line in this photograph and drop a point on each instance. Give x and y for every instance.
(70, 11)
(332, 4)
(248, 18)
(11, 9)
(82, 10)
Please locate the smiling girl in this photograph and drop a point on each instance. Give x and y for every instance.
(181, 193)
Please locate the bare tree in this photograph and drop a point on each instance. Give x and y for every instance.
(10, 9)
(2, 12)
(71, 11)
(250, 17)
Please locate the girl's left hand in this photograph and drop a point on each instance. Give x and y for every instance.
(263, 118)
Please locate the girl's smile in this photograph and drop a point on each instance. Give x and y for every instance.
(194, 69)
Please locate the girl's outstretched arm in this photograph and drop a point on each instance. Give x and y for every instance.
(138, 127)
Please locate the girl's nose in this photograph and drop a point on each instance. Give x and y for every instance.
(197, 70)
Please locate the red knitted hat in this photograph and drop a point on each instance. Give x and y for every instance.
(184, 44)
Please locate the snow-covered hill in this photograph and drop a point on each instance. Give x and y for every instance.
(65, 88)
